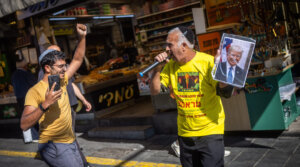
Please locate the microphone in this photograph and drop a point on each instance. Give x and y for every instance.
(156, 63)
(149, 68)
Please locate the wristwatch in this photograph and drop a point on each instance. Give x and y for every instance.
(42, 108)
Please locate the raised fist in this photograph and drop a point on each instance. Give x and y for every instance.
(81, 30)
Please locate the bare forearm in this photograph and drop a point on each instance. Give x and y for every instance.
(29, 120)
(78, 93)
(155, 83)
(78, 58)
(80, 50)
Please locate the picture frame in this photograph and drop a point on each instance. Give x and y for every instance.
(233, 65)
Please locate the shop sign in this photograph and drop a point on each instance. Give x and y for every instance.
(114, 95)
(40, 7)
(63, 31)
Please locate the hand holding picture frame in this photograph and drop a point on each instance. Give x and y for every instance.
(235, 59)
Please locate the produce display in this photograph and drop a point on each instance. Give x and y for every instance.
(111, 69)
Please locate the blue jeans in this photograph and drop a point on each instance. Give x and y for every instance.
(60, 154)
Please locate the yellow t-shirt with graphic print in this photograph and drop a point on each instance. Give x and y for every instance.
(200, 110)
(56, 123)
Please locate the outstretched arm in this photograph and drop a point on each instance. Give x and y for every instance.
(80, 51)
(78, 94)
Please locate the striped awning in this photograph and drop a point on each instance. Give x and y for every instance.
(10, 6)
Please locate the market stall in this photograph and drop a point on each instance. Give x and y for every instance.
(262, 103)
(123, 38)
(110, 64)
(266, 103)
(107, 89)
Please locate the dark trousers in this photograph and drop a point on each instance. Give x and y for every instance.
(205, 151)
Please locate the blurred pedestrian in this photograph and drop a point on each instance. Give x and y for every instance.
(22, 80)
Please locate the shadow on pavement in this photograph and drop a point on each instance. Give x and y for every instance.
(157, 142)
(244, 138)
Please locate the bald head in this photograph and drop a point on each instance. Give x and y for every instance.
(54, 47)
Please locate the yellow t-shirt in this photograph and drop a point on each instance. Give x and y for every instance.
(56, 123)
(200, 110)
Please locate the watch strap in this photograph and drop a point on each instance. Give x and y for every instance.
(42, 108)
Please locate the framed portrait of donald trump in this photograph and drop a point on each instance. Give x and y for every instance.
(233, 65)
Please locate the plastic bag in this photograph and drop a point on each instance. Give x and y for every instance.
(287, 91)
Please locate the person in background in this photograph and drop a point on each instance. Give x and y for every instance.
(73, 92)
(131, 53)
(22, 80)
(201, 115)
(57, 145)
(113, 51)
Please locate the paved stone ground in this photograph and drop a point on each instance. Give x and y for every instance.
(255, 149)
(265, 149)
(248, 149)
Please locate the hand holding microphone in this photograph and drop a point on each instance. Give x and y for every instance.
(160, 58)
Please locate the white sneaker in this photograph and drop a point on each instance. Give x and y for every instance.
(175, 148)
(35, 141)
(226, 153)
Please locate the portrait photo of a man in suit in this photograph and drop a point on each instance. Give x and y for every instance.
(229, 71)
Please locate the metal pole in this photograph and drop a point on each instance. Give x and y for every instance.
(284, 17)
(36, 42)
(297, 10)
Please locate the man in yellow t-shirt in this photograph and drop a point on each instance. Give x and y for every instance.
(201, 115)
(52, 108)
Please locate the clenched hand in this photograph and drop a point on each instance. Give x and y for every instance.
(81, 30)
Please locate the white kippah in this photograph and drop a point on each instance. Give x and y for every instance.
(44, 54)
